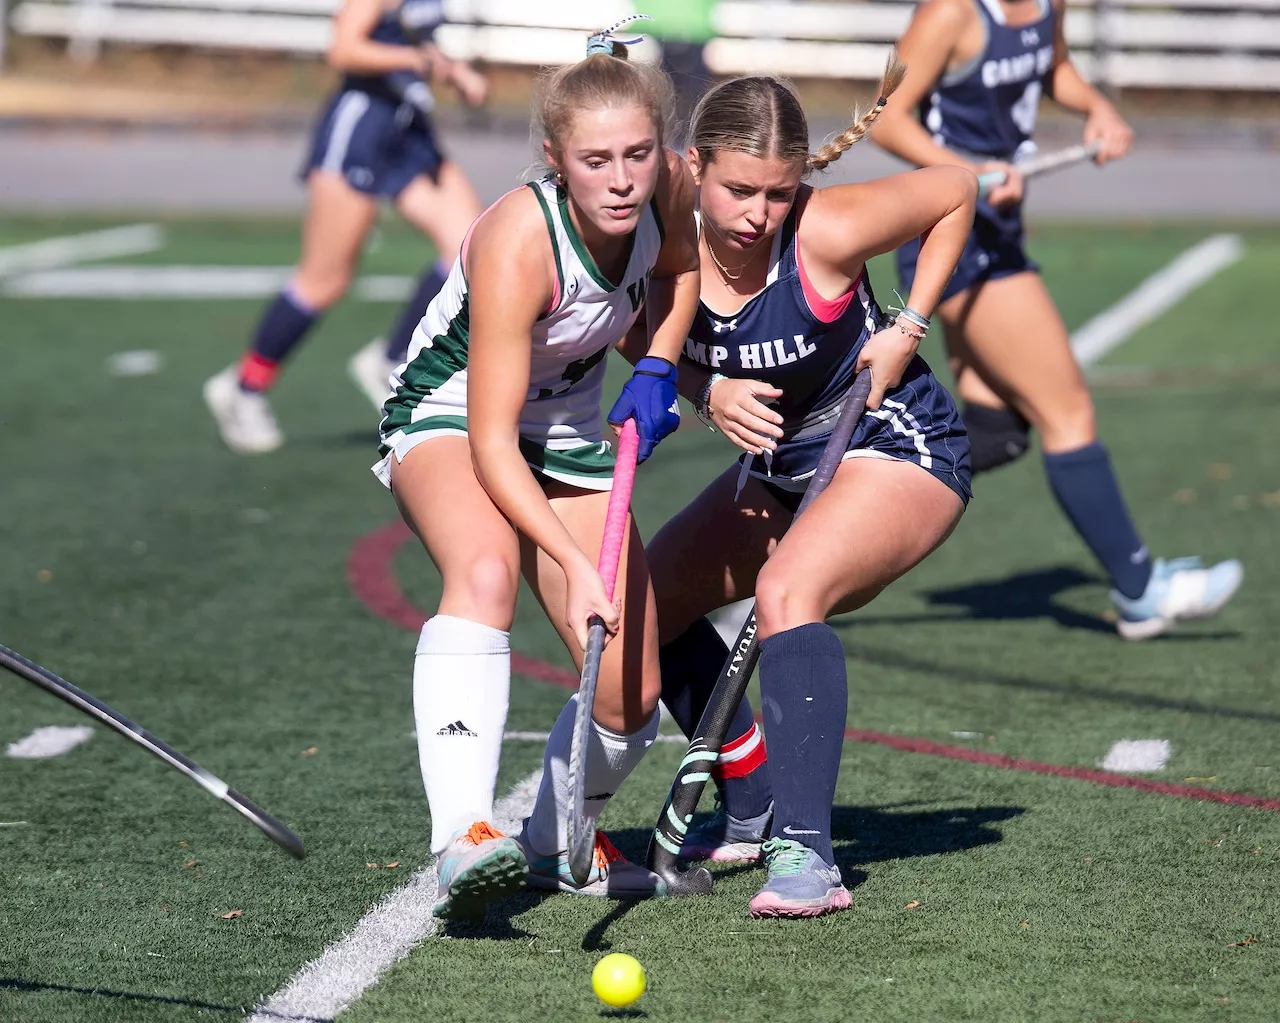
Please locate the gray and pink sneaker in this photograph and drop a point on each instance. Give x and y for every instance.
(726, 839)
(800, 883)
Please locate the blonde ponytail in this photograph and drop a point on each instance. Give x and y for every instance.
(894, 72)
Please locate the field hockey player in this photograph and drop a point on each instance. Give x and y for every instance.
(494, 450)
(978, 70)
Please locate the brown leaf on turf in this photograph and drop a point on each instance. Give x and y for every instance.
(1270, 500)
(1220, 470)
(310, 751)
(182, 845)
(1088, 859)
(1026, 923)
(372, 866)
(1184, 496)
(914, 903)
(1223, 1000)
(190, 863)
(392, 866)
(231, 915)
(165, 907)
(199, 877)
(44, 575)
(1243, 941)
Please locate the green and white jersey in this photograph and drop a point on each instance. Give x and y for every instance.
(561, 424)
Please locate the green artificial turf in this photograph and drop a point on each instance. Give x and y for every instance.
(206, 596)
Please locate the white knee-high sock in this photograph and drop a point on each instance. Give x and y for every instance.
(611, 757)
(461, 689)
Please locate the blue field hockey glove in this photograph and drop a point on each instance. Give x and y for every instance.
(650, 397)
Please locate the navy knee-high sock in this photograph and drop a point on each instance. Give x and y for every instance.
(429, 285)
(804, 693)
(1086, 488)
(690, 666)
(284, 324)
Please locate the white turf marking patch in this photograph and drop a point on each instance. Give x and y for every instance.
(139, 363)
(348, 967)
(50, 741)
(81, 248)
(1156, 295)
(182, 282)
(1136, 756)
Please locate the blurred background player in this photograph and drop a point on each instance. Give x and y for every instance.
(978, 68)
(684, 28)
(493, 449)
(373, 141)
(787, 316)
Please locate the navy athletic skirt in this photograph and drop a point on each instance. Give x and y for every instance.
(917, 422)
(376, 143)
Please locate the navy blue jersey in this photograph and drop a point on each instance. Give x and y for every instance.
(410, 23)
(788, 335)
(988, 106)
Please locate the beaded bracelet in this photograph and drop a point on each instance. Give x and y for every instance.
(702, 404)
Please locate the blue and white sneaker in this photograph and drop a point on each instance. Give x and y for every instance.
(800, 883)
(478, 865)
(723, 838)
(1179, 589)
(612, 876)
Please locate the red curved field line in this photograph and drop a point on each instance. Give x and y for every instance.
(372, 578)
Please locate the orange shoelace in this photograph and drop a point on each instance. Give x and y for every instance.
(482, 831)
(606, 851)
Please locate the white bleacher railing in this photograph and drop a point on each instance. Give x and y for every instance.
(1200, 44)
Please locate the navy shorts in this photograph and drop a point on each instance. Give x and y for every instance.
(994, 250)
(917, 422)
(377, 144)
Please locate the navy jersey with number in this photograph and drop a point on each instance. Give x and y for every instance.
(988, 106)
(399, 26)
(788, 335)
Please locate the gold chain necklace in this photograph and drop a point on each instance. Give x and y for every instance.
(724, 269)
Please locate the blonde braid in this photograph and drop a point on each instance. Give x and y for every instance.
(894, 72)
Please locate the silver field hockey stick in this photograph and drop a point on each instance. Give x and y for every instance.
(1041, 164)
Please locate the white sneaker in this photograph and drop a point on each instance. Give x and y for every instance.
(244, 418)
(1180, 589)
(371, 370)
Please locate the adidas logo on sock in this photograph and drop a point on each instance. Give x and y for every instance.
(456, 728)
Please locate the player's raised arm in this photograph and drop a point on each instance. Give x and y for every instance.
(352, 49)
(926, 49)
(1066, 85)
(654, 344)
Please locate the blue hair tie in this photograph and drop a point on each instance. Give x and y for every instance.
(602, 41)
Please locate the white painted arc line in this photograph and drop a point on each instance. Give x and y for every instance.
(1156, 295)
(111, 243)
(347, 968)
(49, 741)
(178, 282)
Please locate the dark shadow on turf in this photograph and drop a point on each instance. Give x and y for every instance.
(15, 984)
(871, 834)
(1023, 597)
(986, 677)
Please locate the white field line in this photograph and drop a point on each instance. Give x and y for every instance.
(1137, 755)
(81, 248)
(1156, 295)
(347, 968)
(183, 282)
(49, 741)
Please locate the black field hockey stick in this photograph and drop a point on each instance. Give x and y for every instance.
(1041, 164)
(695, 769)
(95, 708)
(582, 829)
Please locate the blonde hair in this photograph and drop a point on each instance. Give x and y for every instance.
(762, 116)
(596, 82)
